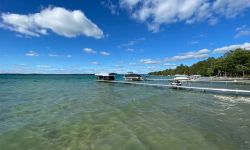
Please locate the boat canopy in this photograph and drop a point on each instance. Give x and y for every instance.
(105, 76)
(133, 75)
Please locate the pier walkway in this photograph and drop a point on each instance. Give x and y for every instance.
(215, 81)
(202, 89)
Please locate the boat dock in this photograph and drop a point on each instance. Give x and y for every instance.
(202, 89)
(215, 81)
(159, 79)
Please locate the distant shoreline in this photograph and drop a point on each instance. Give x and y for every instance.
(215, 78)
(44, 74)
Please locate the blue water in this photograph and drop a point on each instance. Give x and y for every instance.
(43, 112)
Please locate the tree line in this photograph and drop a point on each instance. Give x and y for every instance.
(233, 64)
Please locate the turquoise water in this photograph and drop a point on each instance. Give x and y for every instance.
(73, 112)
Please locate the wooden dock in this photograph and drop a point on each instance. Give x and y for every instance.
(202, 89)
(210, 81)
(147, 79)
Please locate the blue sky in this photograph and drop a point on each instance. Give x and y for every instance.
(91, 36)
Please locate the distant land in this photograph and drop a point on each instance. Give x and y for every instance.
(46, 74)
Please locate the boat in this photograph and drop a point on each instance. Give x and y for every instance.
(130, 76)
(195, 77)
(105, 76)
(181, 77)
(176, 83)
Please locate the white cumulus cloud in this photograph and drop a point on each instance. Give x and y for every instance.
(169, 64)
(43, 66)
(32, 54)
(203, 53)
(149, 61)
(131, 43)
(53, 55)
(130, 49)
(200, 54)
(242, 31)
(95, 63)
(231, 8)
(225, 49)
(112, 7)
(89, 50)
(56, 19)
(157, 12)
(104, 53)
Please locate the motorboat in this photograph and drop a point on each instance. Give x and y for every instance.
(195, 77)
(181, 77)
(176, 83)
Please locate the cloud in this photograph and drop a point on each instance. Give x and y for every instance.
(200, 54)
(131, 43)
(104, 53)
(53, 55)
(95, 63)
(158, 12)
(232, 47)
(56, 55)
(132, 64)
(193, 42)
(89, 50)
(230, 8)
(32, 54)
(56, 19)
(149, 61)
(169, 64)
(129, 3)
(242, 31)
(130, 50)
(112, 7)
(21, 64)
(151, 67)
(203, 53)
(43, 66)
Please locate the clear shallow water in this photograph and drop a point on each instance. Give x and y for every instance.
(75, 112)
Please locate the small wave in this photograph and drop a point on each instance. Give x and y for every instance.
(233, 99)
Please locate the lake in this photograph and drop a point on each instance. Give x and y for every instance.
(74, 112)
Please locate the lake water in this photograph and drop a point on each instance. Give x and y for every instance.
(74, 112)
